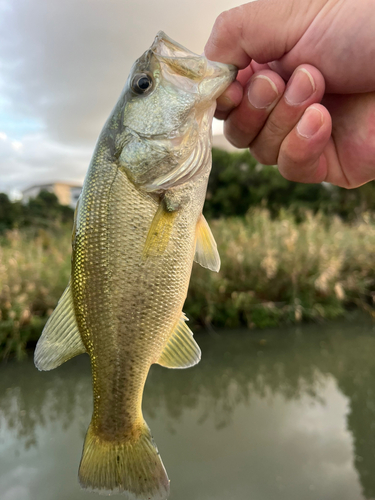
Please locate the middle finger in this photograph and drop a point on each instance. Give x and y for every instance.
(261, 94)
(305, 87)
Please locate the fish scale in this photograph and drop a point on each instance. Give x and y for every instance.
(138, 227)
(119, 312)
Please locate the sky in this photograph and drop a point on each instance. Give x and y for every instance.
(63, 64)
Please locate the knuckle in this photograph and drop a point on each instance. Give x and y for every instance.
(261, 154)
(274, 129)
(289, 173)
(221, 25)
(266, 146)
(237, 133)
(254, 153)
(296, 165)
(221, 115)
(236, 140)
(296, 156)
(228, 27)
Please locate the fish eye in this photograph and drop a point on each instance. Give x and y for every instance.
(142, 83)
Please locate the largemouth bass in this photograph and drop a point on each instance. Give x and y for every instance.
(138, 227)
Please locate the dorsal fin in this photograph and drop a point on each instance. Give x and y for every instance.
(181, 350)
(206, 253)
(60, 339)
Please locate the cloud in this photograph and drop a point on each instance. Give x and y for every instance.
(63, 65)
(16, 145)
(40, 159)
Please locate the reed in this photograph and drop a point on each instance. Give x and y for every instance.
(34, 271)
(274, 271)
(278, 270)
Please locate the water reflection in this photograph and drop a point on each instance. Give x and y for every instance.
(263, 414)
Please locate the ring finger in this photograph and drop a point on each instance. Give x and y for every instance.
(305, 87)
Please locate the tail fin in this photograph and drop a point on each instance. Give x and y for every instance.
(131, 467)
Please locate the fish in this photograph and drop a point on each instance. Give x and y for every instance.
(138, 227)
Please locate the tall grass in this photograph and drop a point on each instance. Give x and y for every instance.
(34, 270)
(273, 271)
(277, 270)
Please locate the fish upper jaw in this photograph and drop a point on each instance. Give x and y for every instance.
(209, 78)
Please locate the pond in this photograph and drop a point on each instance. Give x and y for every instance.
(286, 414)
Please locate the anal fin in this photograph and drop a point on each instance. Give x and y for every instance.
(206, 253)
(60, 339)
(181, 350)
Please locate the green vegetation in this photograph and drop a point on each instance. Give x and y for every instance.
(290, 252)
(237, 183)
(34, 266)
(44, 211)
(34, 270)
(278, 270)
(274, 271)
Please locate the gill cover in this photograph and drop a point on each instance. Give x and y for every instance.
(170, 101)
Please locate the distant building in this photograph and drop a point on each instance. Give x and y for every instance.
(67, 194)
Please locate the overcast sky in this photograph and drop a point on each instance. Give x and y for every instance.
(63, 64)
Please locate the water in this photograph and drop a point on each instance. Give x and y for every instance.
(286, 414)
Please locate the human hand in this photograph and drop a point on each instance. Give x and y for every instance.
(325, 50)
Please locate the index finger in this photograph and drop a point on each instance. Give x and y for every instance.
(264, 30)
(225, 44)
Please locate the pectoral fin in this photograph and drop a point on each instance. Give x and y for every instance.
(181, 350)
(206, 253)
(159, 232)
(75, 223)
(60, 338)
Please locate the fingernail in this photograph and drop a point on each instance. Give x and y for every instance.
(310, 123)
(300, 88)
(262, 92)
(224, 104)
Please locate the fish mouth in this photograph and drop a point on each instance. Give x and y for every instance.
(211, 78)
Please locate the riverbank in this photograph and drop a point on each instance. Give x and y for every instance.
(274, 271)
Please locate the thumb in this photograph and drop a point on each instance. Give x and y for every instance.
(264, 30)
